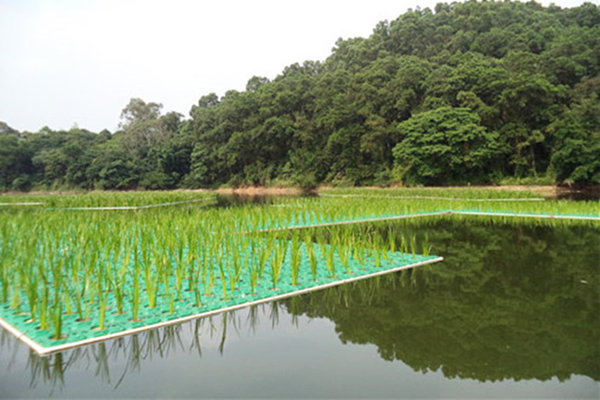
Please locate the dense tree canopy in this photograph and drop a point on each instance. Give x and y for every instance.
(465, 93)
(445, 145)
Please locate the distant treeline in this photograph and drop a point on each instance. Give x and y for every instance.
(472, 92)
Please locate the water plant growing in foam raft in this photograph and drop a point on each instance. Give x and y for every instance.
(103, 272)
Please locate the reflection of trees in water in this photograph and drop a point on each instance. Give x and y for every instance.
(130, 352)
(509, 302)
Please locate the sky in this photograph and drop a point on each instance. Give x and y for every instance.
(67, 63)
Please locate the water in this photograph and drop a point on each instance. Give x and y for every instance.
(513, 311)
(234, 200)
(591, 193)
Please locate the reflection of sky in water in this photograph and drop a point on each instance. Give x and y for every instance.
(299, 357)
(455, 318)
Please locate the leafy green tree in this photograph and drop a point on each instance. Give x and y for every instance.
(113, 167)
(5, 129)
(142, 126)
(513, 72)
(446, 145)
(576, 135)
(15, 163)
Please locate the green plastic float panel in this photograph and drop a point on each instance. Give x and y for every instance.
(78, 333)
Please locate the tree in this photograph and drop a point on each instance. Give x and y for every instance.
(5, 129)
(113, 167)
(138, 110)
(142, 126)
(576, 136)
(445, 145)
(15, 163)
(519, 74)
(255, 83)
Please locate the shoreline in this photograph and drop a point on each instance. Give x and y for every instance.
(547, 191)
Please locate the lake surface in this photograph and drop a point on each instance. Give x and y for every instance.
(513, 311)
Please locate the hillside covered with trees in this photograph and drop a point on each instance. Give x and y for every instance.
(466, 93)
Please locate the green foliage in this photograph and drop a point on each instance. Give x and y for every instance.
(577, 137)
(15, 163)
(517, 71)
(445, 145)
(547, 179)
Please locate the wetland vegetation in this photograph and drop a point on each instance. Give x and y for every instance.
(468, 93)
(78, 267)
(513, 310)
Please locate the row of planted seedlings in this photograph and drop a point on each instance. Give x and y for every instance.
(313, 210)
(301, 212)
(94, 267)
(69, 276)
(108, 198)
(331, 210)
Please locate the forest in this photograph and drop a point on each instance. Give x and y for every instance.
(467, 93)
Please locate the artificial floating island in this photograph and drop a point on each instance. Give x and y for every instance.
(72, 278)
(214, 281)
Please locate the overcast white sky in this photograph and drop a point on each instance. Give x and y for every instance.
(69, 62)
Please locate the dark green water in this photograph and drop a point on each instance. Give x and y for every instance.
(513, 311)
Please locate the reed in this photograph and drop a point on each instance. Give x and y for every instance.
(253, 270)
(330, 260)
(222, 276)
(134, 296)
(312, 255)
(295, 259)
(426, 246)
(344, 252)
(277, 260)
(263, 253)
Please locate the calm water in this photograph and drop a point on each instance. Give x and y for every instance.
(513, 311)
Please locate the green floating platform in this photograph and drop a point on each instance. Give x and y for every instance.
(79, 333)
(309, 223)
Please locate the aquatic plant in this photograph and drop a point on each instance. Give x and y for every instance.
(294, 259)
(54, 262)
(277, 259)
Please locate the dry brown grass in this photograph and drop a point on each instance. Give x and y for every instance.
(260, 191)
